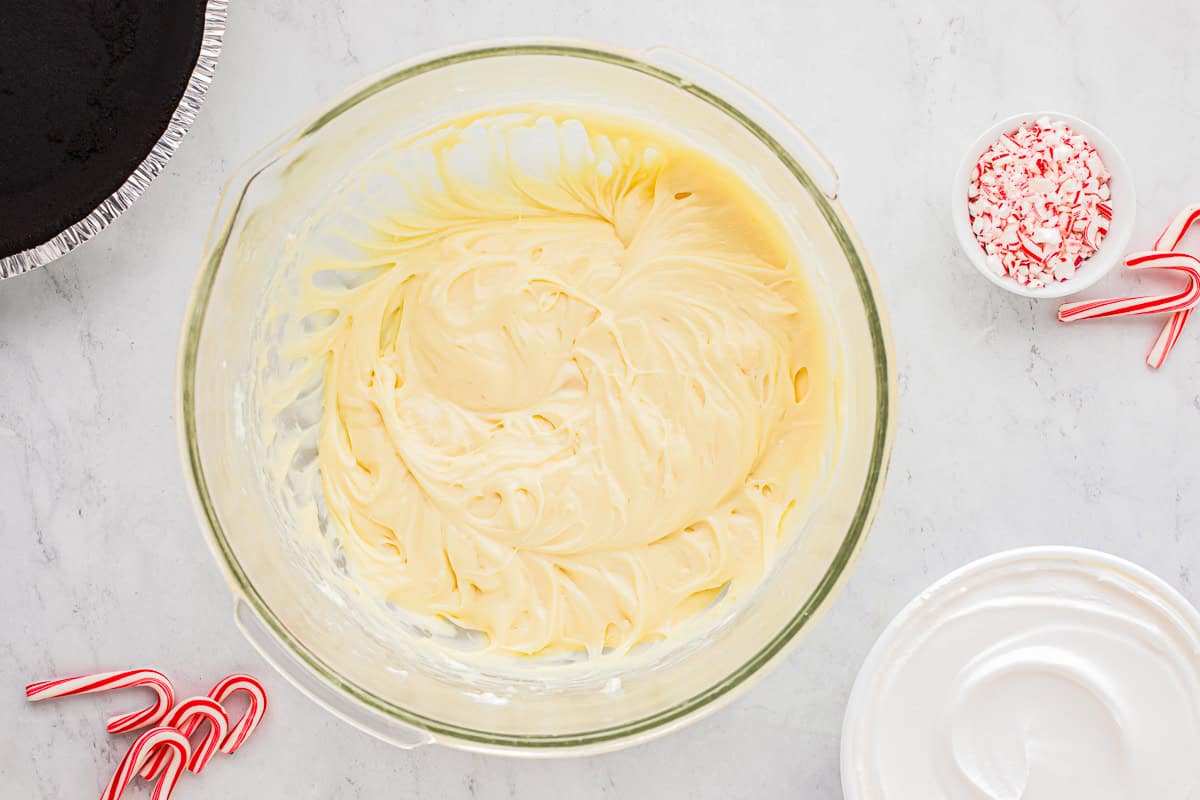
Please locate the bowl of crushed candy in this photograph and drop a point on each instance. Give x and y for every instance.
(1114, 245)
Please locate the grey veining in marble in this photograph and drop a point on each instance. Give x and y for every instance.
(1012, 430)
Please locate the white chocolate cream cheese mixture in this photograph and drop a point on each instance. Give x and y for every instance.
(578, 388)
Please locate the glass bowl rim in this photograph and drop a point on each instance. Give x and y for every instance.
(661, 721)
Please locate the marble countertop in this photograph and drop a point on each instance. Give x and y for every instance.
(1011, 431)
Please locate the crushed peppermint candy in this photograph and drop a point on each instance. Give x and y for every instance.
(1039, 203)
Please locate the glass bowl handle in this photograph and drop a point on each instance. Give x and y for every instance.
(701, 75)
(361, 717)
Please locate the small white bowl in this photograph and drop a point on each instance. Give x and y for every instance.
(1115, 245)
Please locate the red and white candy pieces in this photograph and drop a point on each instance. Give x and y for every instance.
(1039, 202)
(165, 751)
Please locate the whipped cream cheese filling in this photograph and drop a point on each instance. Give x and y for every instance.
(575, 386)
(1047, 674)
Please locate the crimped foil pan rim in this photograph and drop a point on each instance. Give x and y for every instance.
(215, 15)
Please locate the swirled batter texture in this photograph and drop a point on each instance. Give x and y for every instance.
(577, 388)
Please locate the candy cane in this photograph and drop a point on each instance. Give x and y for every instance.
(109, 681)
(1173, 235)
(245, 726)
(1169, 240)
(186, 717)
(1120, 306)
(165, 740)
(1167, 339)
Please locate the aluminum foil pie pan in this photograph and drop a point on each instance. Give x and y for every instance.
(152, 164)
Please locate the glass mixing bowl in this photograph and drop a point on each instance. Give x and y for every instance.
(310, 630)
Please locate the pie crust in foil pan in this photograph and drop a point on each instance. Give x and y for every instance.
(215, 16)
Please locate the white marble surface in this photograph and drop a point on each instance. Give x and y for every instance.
(1011, 430)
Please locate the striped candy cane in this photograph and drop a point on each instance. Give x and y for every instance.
(1121, 306)
(1175, 232)
(186, 717)
(1174, 327)
(1168, 241)
(255, 712)
(110, 681)
(165, 740)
